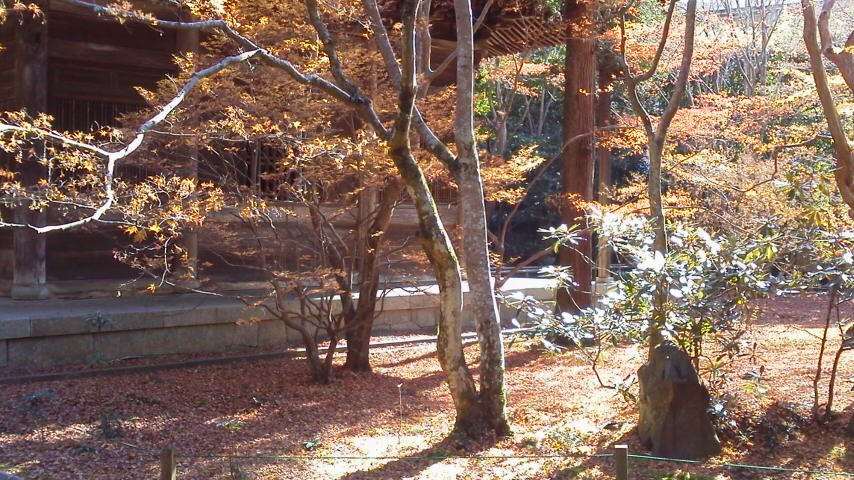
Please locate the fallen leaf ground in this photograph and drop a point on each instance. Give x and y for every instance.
(231, 420)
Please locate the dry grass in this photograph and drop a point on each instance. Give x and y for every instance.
(57, 429)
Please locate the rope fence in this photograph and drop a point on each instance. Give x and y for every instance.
(168, 457)
(414, 458)
(745, 466)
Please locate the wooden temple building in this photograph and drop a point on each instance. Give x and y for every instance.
(83, 69)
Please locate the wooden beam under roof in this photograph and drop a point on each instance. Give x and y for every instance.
(161, 9)
(110, 54)
(523, 34)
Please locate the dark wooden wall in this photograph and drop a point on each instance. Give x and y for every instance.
(7, 101)
(7, 67)
(96, 65)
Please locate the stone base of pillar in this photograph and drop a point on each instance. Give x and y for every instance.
(29, 292)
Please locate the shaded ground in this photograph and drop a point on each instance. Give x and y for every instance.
(113, 427)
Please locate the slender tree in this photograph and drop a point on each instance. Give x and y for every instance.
(819, 40)
(482, 305)
(656, 135)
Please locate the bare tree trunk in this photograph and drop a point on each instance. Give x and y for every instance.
(843, 58)
(578, 162)
(545, 103)
(608, 68)
(817, 378)
(312, 354)
(656, 213)
(360, 324)
(828, 410)
(500, 145)
(437, 245)
(481, 305)
(656, 138)
(325, 374)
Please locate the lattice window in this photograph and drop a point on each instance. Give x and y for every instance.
(73, 114)
(443, 193)
(86, 115)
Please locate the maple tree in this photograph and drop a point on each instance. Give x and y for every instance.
(239, 39)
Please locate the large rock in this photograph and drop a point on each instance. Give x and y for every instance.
(674, 407)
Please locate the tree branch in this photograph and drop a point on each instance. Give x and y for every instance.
(355, 98)
(842, 58)
(633, 81)
(841, 146)
(434, 74)
(430, 141)
(684, 72)
(113, 157)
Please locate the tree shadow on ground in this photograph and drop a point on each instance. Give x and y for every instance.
(597, 461)
(268, 406)
(786, 436)
(452, 446)
(782, 436)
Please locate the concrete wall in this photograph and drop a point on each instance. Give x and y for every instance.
(36, 334)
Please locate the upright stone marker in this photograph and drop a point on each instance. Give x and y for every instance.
(674, 420)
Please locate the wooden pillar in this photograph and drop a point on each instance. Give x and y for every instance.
(188, 42)
(603, 167)
(29, 274)
(578, 163)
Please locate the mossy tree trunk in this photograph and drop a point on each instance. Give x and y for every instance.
(435, 241)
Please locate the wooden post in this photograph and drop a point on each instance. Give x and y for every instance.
(168, 470)
(604, 281)
(29, 273)
(621, 455)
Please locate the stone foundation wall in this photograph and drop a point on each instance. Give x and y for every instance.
(39, 334)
